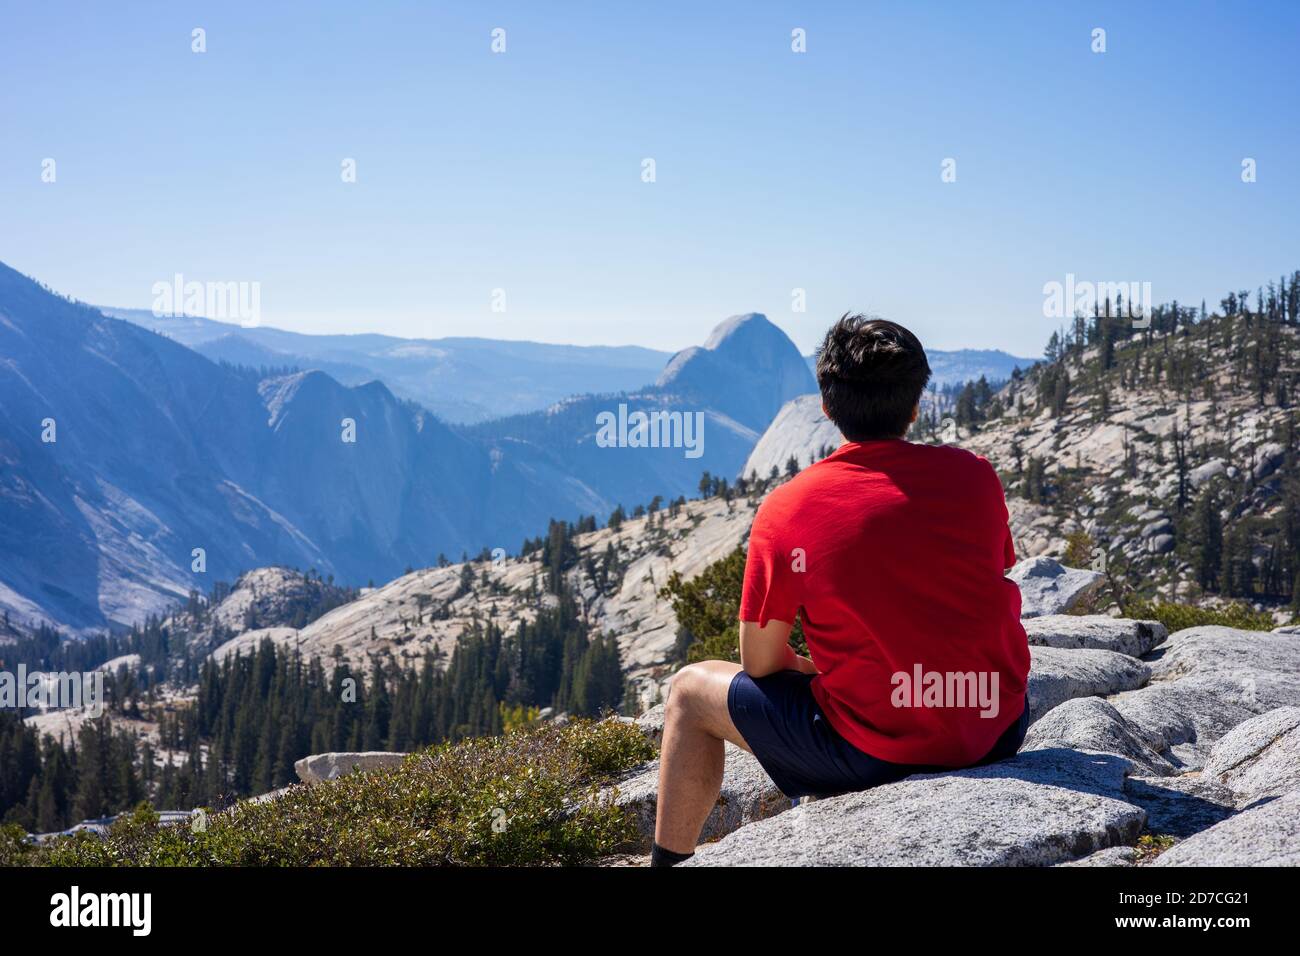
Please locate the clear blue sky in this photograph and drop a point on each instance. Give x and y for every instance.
(775, 170)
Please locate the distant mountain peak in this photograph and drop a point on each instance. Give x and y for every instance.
(739, 326)
(741, 352)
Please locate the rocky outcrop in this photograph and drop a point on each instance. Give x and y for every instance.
(1041, 808)
(651, 723)
(1206, 681)
(1095, 631)
(1259, 757)
(800, 430)
(1057, 675)
(1266, 835)
(398, 619)
(1116, 748)
(1268, 458)
(1091, 724)
(1181, 719)
(1048, 587)
(321, 767)
(1202, 475)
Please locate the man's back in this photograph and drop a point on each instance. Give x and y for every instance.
(892, 554)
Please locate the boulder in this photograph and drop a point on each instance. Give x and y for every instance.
(1203, 474)
(1206, 681)
(1091, 724)
(1160, 544)
(1181, 719)
(1266, 666)
(1264, 835)
(1259, 757)
(1048, 587)
(1180, 806)
(1268, 458)
(1037, 809)
(1159, 526)
(1096, 631)
(748, 794)
(321, 767)
(1057, 675)
(272, 796)
(651, 724)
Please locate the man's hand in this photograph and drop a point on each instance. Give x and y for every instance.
(766, 650)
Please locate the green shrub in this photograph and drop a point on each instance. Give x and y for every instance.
(1178, 616)
(14, 848)
(1151, 845)
(707, 608)
(530, 797)
(724, 646)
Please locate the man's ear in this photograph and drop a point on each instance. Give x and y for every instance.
(824, 412)
(916, 410)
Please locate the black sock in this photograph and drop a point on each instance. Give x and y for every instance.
(661, 857)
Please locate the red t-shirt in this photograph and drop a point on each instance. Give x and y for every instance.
(892, 554)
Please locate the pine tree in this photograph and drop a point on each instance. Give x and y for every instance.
(1208, 540)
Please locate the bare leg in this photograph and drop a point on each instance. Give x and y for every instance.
(696, 722)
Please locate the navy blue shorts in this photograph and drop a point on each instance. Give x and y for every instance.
(803, 754)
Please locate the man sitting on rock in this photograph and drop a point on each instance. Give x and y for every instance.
(891, 555)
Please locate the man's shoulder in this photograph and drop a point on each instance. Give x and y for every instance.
(794, 492)
(952, 460)
(963, 469)
(956, 456)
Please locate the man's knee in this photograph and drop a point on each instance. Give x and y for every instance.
(693, 690)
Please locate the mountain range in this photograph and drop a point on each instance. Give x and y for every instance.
(474, 380)
(133, 469)
(461, 380)
(143, 456)
(1158, 465)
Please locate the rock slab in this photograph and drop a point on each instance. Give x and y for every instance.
(1265, 835)
(1095, 631)
(1092, 724)
(1204, 682)
(1037, 809)
(1057, 675)
(321, 767)
(1259, 757)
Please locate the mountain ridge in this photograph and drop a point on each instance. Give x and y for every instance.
(168, 467)
(462, 379)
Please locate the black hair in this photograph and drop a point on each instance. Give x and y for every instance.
(871, 373)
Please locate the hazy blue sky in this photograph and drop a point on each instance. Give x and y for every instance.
(775, 170)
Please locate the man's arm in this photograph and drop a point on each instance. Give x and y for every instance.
(766, 650)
